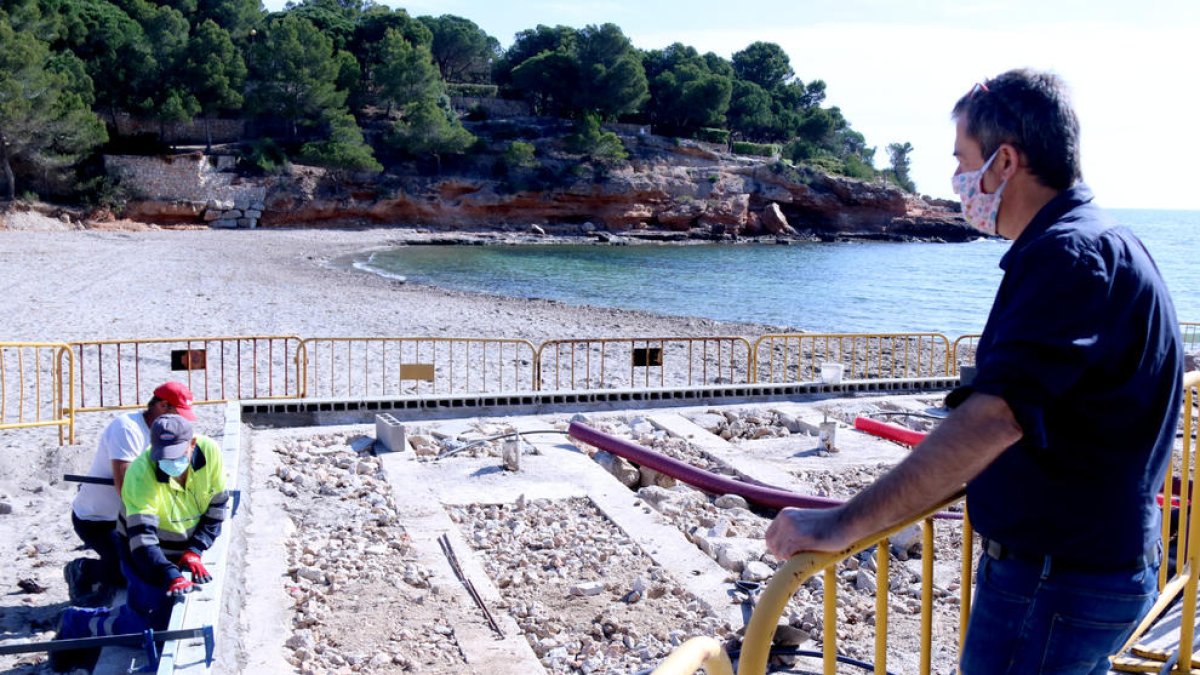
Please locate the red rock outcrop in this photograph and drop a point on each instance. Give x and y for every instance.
(682, 193)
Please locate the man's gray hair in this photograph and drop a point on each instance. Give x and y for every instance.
(1032, 111)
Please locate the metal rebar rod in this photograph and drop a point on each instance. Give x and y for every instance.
(444, 541)
(130, 639)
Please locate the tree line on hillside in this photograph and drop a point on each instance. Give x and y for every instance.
(309, 79)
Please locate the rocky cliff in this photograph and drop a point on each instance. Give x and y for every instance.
(685, 190)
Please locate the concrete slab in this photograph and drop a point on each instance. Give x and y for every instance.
(417, 491)
(258, 605)
(557, 470)
(732, 455)
(653, 533)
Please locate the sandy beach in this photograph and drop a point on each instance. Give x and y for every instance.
(95, 284)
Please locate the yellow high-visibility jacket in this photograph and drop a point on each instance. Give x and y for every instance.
(160, 519)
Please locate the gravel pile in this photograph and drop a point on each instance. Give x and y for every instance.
(724, 528)
(360, 599)
(735, 425)
(586, 597)
(432, 443)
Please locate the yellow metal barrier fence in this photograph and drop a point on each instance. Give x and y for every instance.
(1191, 334)
(612, 363)
(1181, 542)
(787, 579)
(32, 378)
(118, 374)
(962, 353)
(359, 367)
(799, 357)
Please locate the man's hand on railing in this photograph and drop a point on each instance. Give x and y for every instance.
(795, 530)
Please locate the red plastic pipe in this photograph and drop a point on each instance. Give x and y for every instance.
(908, 437)
(892, 432)
(764, 495)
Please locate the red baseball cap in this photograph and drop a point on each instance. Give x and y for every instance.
(178, 395)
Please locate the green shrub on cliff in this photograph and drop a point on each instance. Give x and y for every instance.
(429, 130)
(709, 135)
(755, 149)
(520, 155)
(264, 157)
(596, 144)
(344, 149)
(472, 90)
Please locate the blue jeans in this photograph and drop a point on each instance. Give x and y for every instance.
(1031, 619)
(146, 606)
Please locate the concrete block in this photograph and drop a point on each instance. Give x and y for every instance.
(253, 213)
(232, 213)
(510, 454)
(389, 432)
(246, 222)
(211, 215)
(224, 224)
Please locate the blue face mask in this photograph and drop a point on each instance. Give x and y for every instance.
(174, 467)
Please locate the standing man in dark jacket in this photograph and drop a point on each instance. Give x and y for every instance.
(1065, 435)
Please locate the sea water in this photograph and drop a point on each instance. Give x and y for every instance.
(836, 287)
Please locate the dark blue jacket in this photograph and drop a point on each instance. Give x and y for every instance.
(1083, 344)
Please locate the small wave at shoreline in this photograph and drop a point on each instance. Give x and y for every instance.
(369, 267)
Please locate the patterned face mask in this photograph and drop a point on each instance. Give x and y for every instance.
(979, 208)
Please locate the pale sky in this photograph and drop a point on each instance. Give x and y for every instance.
(896, 68)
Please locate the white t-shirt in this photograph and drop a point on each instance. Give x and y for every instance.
(123, 440)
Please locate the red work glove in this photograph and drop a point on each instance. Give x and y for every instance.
(180, 586)
(190, 561)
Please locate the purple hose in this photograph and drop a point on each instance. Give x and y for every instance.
(763, 495)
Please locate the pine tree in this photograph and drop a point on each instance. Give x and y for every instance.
(46, 122)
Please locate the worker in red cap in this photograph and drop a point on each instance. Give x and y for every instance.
(174, 504)
(90, 582)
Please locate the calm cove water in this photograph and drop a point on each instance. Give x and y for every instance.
(843, 287)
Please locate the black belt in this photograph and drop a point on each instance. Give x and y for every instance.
(998, 551)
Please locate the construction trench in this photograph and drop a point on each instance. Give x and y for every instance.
(501, 544)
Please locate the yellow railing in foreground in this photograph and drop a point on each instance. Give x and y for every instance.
(756, 646)
(798, 357)
(1181, 482)
(360, 367)
(32, 380)
(1179, 632)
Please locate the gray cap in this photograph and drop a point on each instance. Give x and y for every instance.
(170, 437)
